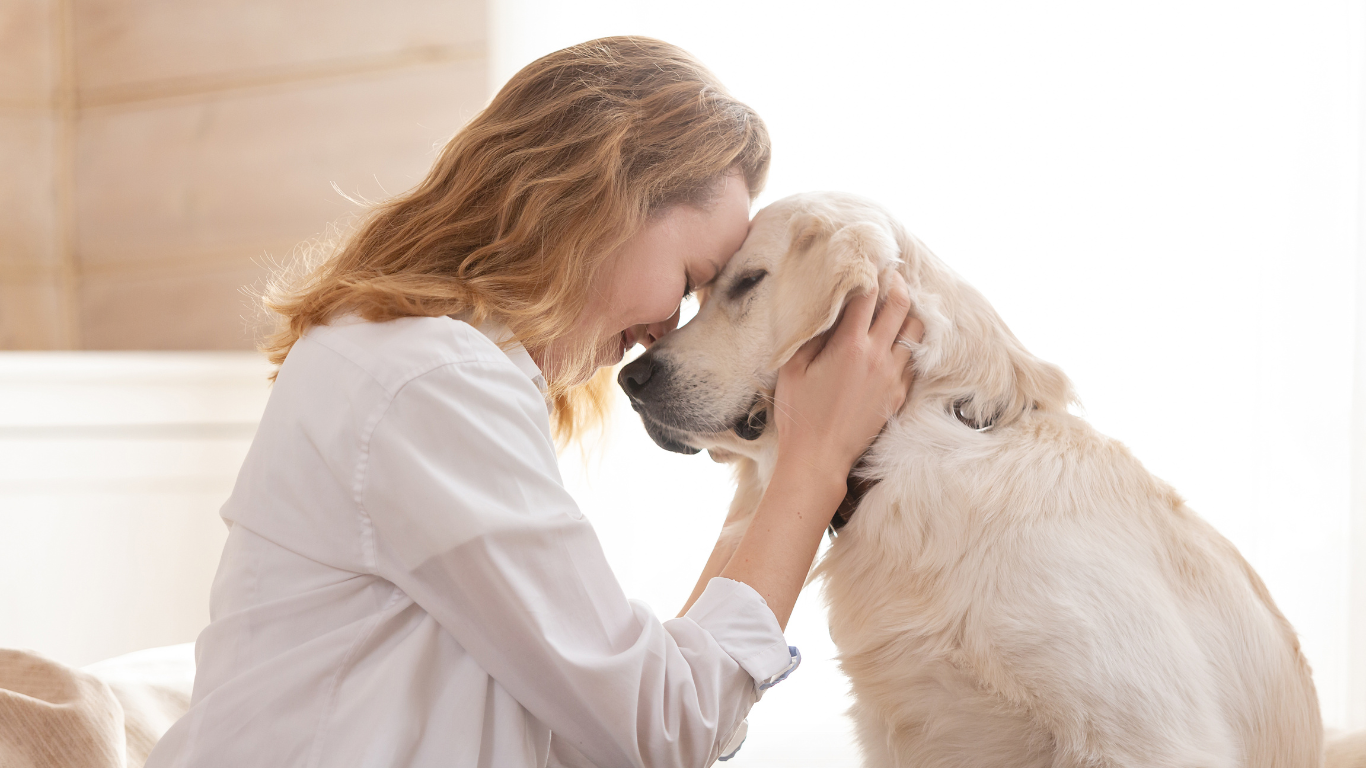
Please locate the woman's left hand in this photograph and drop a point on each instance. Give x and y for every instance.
(837, 397)
(835, 400)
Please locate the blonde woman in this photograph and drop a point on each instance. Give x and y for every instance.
(406, 581)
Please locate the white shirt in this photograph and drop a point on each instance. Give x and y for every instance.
(406, 582)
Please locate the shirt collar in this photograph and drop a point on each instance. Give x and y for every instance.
(502, 336)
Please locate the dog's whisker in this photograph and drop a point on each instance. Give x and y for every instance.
(787, 410)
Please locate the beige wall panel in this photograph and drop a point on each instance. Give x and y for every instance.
(27, 53)
(28, 199)
(122, 43)
(30, 296)
(244, 171)
(30, 312)
(165, 309)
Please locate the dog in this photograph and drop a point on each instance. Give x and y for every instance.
(1014, 588)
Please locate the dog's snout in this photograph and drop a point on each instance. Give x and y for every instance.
(635, 378)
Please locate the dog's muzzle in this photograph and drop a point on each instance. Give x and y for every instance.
(663, 436)
(646, 382)
(643, 382)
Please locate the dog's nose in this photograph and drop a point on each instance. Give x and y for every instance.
(635, 377)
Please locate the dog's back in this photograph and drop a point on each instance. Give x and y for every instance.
(1015, 572)
(1032, 596)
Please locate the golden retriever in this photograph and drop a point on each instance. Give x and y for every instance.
(1015, 589)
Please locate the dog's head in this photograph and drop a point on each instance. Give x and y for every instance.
(709, 384)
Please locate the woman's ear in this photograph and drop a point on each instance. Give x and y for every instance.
(823, 269)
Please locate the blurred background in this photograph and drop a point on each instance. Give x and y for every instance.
(1164, 198)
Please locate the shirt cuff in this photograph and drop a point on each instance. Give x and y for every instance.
(743, 625)
(735, 741)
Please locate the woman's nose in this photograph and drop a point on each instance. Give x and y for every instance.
(656, 331)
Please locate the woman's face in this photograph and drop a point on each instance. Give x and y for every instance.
(681, 249)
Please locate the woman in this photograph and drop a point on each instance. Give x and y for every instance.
(406, 581)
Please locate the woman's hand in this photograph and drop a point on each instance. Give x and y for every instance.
(829, 405)
(837, 392)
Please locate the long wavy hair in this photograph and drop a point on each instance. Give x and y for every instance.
(526, 204)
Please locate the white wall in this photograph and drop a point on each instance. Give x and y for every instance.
(112, 469)
(1160, 197)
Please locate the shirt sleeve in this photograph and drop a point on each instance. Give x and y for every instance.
(472, 521)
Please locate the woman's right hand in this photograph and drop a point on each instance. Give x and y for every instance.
(837, 392)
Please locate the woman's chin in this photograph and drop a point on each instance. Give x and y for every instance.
(610, 356)
(614, 350)
(608, 353)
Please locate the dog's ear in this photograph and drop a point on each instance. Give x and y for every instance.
(969, 353)
(824, 268)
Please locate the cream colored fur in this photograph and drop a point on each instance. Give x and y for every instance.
(1025, 596)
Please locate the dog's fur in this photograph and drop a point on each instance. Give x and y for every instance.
(1024, 595)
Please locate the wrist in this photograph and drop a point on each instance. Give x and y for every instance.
(817, 459)
(811, 477)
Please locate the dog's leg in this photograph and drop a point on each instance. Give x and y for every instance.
(874, 737)
(1099, 654)
(932, 715)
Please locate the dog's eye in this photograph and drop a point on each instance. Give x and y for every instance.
(746, 284)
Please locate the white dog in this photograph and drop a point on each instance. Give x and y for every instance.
(1015, 589)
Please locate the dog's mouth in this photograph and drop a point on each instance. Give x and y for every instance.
(749, 426)
(665, 437)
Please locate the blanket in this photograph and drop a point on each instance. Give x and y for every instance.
(107, 715)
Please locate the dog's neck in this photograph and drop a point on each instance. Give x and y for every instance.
(856, 486)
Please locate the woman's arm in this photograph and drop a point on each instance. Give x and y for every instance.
(833, 402)
(720, 556)
(741, 511)
(470, 521)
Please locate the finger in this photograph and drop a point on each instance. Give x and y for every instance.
(858, 316)
(805, 354)
(894, 312)
(907, 380)
(912, 331)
